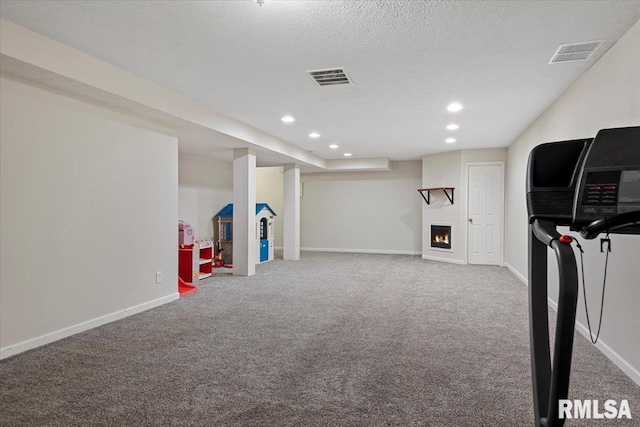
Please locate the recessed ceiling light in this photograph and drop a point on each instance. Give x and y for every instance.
(333, 146)
(452, 126)
(454, 107)
(347, 154)
(450, 140)
(314, 135)
(288, 119)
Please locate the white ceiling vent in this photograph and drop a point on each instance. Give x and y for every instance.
(330, 76)
(575, 52)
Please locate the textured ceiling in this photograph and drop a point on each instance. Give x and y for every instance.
(408, 60)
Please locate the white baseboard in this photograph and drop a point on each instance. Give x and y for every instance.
(32, 343)
(362, 251)
(439, 259)
(517, 273)
(611, 354)
(621, 363)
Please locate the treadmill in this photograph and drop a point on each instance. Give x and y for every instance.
(591, 185)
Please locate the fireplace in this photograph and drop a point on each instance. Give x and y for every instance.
(441, 237)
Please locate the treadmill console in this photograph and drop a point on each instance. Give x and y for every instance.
(609, 182)
(592, 186)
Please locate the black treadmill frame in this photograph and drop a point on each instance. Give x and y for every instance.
(556, 173)
(550, 382)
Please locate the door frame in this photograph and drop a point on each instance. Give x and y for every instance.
(467, 165)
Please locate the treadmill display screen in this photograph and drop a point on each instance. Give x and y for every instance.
(629, 192)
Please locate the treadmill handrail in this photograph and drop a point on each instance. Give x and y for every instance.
(545, 231)
(601, 225)
(551, 380)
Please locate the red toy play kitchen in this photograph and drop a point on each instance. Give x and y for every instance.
(195, 257)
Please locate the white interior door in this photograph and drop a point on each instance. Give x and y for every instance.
(485, 211)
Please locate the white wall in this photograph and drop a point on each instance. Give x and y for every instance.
(270, 190)
(89, 213)
(205, 187)
(449, 170)
(363, 211)
(607, 95)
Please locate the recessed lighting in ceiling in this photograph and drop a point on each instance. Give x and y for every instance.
(450, 140)
(347, 154)
(454, 107)
(333, 146)
(452, 126)
(288, 119)
(314, 135)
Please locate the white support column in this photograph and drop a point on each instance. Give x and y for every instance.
(291, 200)
(244, 212)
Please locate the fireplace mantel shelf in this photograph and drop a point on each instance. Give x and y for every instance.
(445, 190)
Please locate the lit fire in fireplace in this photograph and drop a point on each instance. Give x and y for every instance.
(441, 238)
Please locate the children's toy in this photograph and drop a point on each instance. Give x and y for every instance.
(185, 234)
(265, 237)
(195, 262)
(185, 288)
(218, 261)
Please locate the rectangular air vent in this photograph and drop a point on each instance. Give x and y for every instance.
(330, 76)
(575, 52)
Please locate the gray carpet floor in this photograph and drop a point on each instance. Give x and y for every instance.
(330, 340)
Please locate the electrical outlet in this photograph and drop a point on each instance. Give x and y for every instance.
(158, 276)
